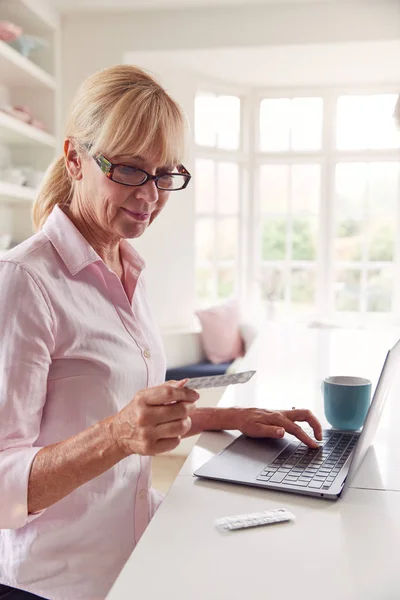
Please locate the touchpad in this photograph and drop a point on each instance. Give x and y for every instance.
(245, 458)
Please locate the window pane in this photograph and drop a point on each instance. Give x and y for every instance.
(366, 122)
(304, 238)
(351, 185)
(273, 241)
(351, 190)
(290, 124)
(303, 286)
(227, 232)
(352, 122)
(204, 283)
(205, 186)
(383, 188)
(306, 188)
(383, 197)
(381, 240)
(348, 242)
(228, 122)
(306, 119)
(274, 188)
(228, 188)
(205, 119)
(366, 211)
(348, 285)
(226, 282)
(379, 290)
(383, 132)
(275, 124)
(204, 240)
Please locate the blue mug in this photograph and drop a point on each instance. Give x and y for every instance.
(346, 401)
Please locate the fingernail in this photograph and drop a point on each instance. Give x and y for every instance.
(280, 431)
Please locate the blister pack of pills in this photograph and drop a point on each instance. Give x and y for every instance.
(198, 383)
(267, 517)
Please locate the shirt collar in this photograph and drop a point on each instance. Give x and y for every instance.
(74, 250)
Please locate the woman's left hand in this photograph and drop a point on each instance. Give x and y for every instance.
(256, 422)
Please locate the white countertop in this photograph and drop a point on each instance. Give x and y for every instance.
(343, 550)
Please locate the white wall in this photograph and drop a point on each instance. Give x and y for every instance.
(339, 64)
(93, 41)
(168, 246)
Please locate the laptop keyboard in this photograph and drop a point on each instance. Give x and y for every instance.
(311, 468)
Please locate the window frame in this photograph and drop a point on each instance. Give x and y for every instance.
(241, 158)
(250, 158)
(328, 157)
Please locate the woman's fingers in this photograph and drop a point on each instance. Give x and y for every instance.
(173, 429)
(306, 416)
(166, 413)
(292, 428)
(167, 393)
(167, 444)
(270, 431)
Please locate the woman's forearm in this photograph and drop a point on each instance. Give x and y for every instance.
(59, 469)
(214, 419)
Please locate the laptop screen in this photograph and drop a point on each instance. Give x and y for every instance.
(388, 382)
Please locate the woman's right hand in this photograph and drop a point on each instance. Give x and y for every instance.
(155, 420)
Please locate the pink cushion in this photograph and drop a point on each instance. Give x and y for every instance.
(220, 332)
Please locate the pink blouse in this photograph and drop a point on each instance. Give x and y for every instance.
(75, 347)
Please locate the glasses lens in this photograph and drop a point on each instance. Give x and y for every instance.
(128, 175)
(172, 181)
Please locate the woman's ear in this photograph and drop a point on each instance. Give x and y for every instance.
(73, 159)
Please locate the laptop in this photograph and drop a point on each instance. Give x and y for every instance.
(290, 466)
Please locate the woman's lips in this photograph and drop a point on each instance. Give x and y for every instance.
(138, 216)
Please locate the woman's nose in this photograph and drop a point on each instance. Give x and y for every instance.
(148, 191)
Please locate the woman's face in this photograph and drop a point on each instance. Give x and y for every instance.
(119, 211)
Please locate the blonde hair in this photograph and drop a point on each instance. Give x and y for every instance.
(120, 110)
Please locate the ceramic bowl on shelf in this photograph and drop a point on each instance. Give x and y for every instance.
(9, 31)
(26, 44)
(19, 112)
(15, 175)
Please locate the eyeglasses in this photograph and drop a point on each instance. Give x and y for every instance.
(127, 175)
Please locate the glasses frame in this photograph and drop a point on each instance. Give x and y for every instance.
(108, 169)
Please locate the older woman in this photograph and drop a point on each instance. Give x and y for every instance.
(83, 402)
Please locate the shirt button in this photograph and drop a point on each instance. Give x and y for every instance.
(142, 494)
(147, 353)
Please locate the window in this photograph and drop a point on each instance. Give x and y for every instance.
(289, 202)
(320, 210)
(290, 124)
(217, 121)
(366, 199)
(218, 196)
(307, 266)
(290, 207)
(366, 122)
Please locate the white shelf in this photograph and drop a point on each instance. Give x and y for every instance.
(17, 133)
(32, 82)
(16, 70)
(9, 192)
(35, 16)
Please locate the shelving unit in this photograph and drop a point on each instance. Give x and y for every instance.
(30, 82)
(17, 133)
(11, 193)
(16, 70)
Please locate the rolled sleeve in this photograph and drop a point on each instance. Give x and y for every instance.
(26, 345)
